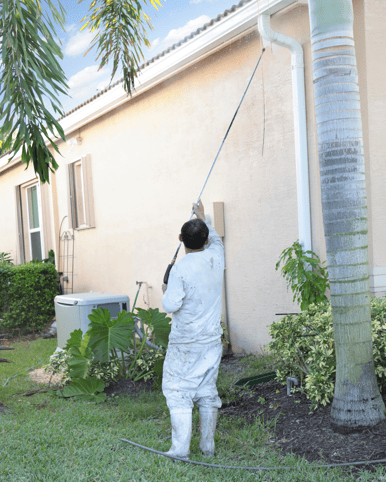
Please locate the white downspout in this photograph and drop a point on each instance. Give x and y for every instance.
(299, 107)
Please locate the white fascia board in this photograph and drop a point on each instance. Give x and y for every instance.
(171, 63)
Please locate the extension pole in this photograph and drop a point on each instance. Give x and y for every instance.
(166, 276)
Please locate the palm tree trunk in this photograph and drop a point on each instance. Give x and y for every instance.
(357, 402)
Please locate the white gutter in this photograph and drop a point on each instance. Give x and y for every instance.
(299, 107)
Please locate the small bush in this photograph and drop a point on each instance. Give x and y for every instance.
(6, 271)
(58, 364)
(108, 371)
(27, 295)
(305, 348)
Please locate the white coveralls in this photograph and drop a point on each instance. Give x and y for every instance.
(194, 350)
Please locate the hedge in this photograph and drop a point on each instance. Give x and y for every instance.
(27, 295)
(305, 348)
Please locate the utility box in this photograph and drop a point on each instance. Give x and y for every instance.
(72, 311)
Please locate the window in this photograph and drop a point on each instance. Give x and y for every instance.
(35, 229)
(80, 194)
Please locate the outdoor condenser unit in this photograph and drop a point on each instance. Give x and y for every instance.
(72, 311)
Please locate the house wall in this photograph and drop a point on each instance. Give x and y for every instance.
(150, 157)
(149, 160)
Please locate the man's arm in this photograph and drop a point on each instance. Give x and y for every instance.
(174, 295)
(215, 241)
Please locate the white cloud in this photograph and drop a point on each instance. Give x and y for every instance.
(79, 43)
(178, 34)
(155, 43)
(102, 85)
(84, 82)
(70, 28)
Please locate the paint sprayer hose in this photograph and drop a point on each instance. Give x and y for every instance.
(240, 467)
(141, 335)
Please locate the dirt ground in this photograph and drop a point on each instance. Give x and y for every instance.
(298, 429)
(128, 387)
(40, 376)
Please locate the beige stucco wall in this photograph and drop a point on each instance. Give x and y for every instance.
(150, 157)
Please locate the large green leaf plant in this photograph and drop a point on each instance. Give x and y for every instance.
(112, 340)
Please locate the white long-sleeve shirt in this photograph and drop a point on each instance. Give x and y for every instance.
(194, 294)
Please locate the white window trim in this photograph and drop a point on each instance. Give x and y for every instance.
(87, 193)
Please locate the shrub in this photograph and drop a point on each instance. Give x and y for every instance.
(304, 346)
(27, 296)
(6, 271)
(59, 363)
(5, 258)
(108, 371)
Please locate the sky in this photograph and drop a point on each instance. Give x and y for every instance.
(172, 22)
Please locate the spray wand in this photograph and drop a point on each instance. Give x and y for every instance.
(168, 269)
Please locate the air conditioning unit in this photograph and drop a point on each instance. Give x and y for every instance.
(72, 311)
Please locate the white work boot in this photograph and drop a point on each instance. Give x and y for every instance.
(208, 419)
(181, 433)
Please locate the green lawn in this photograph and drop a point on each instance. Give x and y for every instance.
(43, 438)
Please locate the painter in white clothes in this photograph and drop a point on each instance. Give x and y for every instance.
(194, 352)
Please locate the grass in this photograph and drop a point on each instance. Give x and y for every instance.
(46, 439)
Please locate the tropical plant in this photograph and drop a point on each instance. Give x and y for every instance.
(31, 76)
(51, 257)
(304, 347)
(59, 364)
(357, 401)
(5, 258)
(305, 274)
(111, 343)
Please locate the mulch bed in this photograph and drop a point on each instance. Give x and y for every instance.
(128, 387)
(305, 432)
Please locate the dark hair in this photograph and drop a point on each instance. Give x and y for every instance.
(194, 233)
